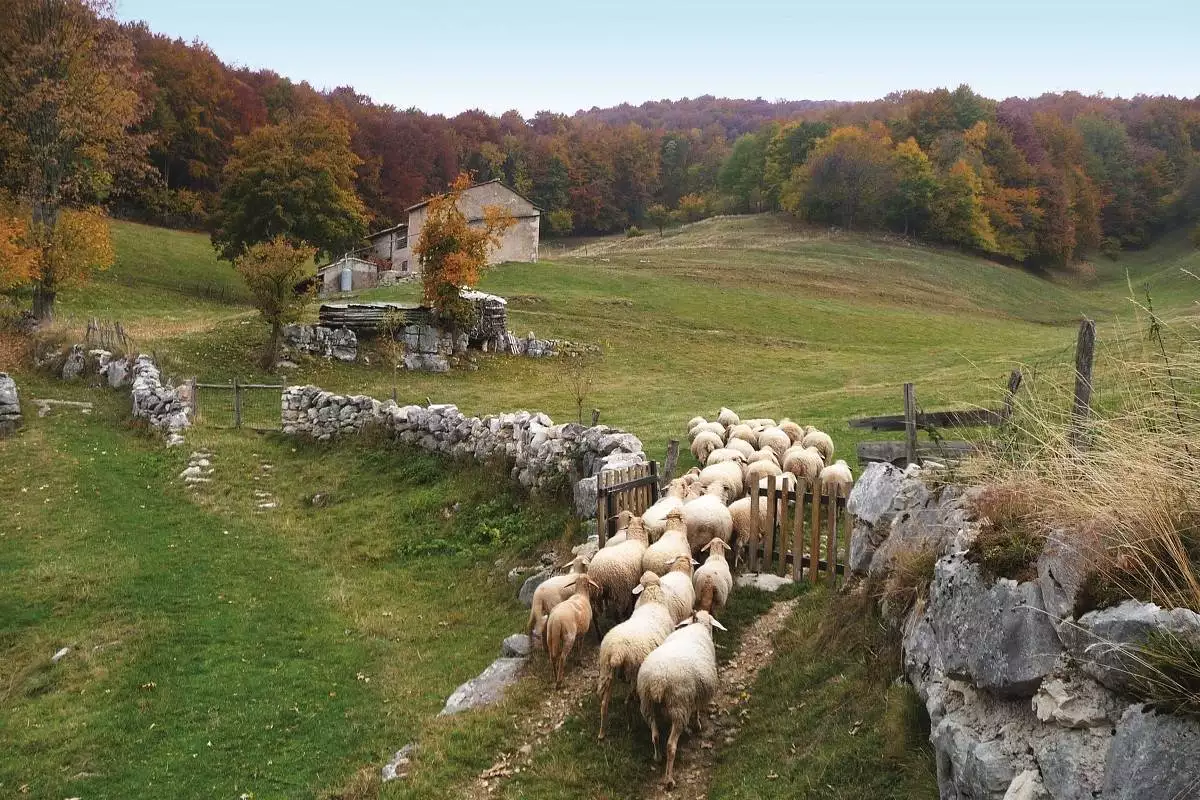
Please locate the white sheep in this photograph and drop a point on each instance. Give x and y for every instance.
(677, 680)
(739, 513)
(693, 423)
(654, 518)
(728, 474)
(728, 417)
(708, 427)
(784, 482)
(758, 470)
(804, 462)
(626, 645)
(739, 445)
(618, 568)
(568, 621)
(821, 441)
(743, 432)
(623, 520)
(776, 439)
(765, 454)
(704, 444)
(713, 581)
(707, 517)
(794, 431)
(837, 474)
(549, 594)
(677, 586)
(723, 454)
(659, 556)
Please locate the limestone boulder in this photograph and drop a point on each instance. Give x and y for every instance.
(485, 688)
(1153, 757)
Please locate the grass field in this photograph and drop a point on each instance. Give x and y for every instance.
(220, 650)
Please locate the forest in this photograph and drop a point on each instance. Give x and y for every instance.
(1043, 181)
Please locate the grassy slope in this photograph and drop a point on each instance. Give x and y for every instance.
(216, 650)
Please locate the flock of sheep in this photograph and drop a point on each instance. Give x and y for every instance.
(643, 577)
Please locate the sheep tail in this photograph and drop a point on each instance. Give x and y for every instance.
(705, 601)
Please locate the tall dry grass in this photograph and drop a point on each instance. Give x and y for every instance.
(1131, 493)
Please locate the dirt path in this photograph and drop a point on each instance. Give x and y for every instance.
(697, 753)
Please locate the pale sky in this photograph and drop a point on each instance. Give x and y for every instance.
(448, 56)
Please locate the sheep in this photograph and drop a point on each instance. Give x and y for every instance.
(626, 645)
(655, 517)
(549, 594)
(739, 445)
(776, 439)
(821, 441)
(706, 518)
(623, 520)
(710, 427)
(704, 443)
(837, 474)
(568, 621)
(758, 470)
(728, 417)
(677, 586)
(617, 568)
(728, 475)
(793, 431)
(765, 454)
(677, 680)
(784, 482)
(760, 423)
(804, 462)
(713, 581)
(723, 454)
(739, 513)
(659, 556)
(693, 423)
(743, 432)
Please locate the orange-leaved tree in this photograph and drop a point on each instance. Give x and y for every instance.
(272, 271)
(18, 258)
(454, 250)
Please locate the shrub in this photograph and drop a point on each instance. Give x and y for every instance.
(633, 232)
(1011, 537)
(912, 572)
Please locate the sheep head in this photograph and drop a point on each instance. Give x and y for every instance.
(675, 521)
(636, 531)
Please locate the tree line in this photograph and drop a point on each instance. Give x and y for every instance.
(161, 130)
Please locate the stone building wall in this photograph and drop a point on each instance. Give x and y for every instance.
(1026, 701)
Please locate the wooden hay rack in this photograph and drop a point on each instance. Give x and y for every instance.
(782, 539)
(632, 489)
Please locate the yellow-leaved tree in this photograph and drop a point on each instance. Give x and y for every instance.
(453, 251)
(272, 271)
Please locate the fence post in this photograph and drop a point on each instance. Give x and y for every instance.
(237, 404)
(601, 509)
(910, 424)
(1085, 354)
(672, 461)
(595, 417)
(1014, 383)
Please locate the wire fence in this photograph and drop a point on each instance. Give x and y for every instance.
(239, 405)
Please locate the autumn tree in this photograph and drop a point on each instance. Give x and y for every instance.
(846, 180)
(18, 258)
(453, 252)
(658, 216)
(293, 180)
(272, 271)
(916, 184)
(67, 99)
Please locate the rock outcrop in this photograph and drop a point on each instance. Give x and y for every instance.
(10, 405)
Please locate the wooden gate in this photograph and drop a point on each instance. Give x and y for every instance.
(239, 405)
(816, 518)
(632, 489)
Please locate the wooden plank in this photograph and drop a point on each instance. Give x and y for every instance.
(1081, 406)
(910, 424)
(781, 568)
(672, 461)
(962, 418)
(798, 534)
(656, 484)
(814, 552)
(769, 526)
(754, 528)
(895, 452)
(237, 404)
(832, 517)
(595, 417)
(601, 503)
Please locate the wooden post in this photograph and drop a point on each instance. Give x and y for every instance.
(595, 417)
(798, 534)
(781, 571)
(831, 559)
(237, 404)
(754, 528)
(601, 507)
(814, 536)
(768, 538)
(672, 461)
(910, 424)
(656, 487)
(1081, 409)
(1014, 383)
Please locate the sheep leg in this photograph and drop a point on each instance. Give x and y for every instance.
(672, 743)
(605, 696)
(654, 735)
(568, 644)
(698, 727)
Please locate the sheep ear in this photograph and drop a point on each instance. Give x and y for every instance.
(705, 548)
(638, 589)
(695, 562)
(719, 625)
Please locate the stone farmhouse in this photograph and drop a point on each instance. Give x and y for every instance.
(390, 250)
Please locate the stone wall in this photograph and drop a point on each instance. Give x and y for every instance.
(1025, 701)
(10, 405)
(317, 340)
(165, 407)
(540, 453)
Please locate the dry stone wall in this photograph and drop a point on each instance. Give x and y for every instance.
(318, 340)
(1025, 701)
(10, 405)
(165, 407)
(541, 454)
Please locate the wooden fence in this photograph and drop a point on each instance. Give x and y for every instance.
(238, 405)
(632, 489)
(800, 521)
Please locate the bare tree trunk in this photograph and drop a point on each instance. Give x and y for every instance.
(272, 353)
(43, 302)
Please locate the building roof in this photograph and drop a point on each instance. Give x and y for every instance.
(392, 229)
(477, 185)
